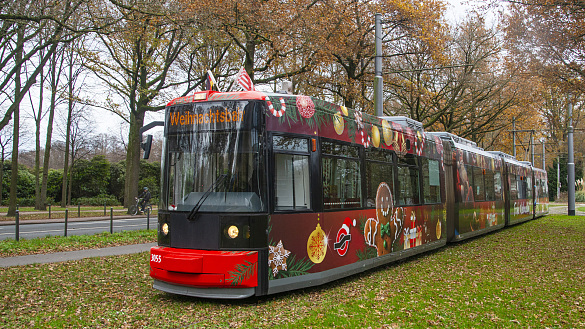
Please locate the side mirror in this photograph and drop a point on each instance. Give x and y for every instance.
(145, 146)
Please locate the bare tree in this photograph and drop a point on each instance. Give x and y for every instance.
(5, 152)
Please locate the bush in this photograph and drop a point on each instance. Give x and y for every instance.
(26, 202)
(580, 196)
(100, 200)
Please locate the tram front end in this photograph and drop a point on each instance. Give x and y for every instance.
(213, 216)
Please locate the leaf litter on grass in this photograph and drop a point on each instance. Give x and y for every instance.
(529, 275)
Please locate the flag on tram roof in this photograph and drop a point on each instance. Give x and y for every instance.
(244, 80)
(210, 82)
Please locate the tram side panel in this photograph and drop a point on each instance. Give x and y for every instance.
(479, 202)
(521, 205)
(371, 178)
(541, 202)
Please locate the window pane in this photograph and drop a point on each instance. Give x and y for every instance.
(498, 186)
(408, 189)
(290, 144)
(292, 186)
(339, 149)
(376, 173)
(431, 181)
(379, 155)
(341, 183)
(490, 192)
(513, 187)
(478, 184)
(529, 187)
(521, 188)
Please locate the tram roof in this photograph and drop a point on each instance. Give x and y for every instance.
(456, 139)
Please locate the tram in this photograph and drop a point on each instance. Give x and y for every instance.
(268, 192)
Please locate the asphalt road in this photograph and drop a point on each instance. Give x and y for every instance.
(88, 227)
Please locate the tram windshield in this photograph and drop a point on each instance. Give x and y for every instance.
(212, 159)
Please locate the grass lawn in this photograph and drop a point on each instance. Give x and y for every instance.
(529, 275)
(11, 247)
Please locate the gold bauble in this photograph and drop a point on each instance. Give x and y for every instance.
(387, 131)
(375, 136)
(317, 245)
(338, 123)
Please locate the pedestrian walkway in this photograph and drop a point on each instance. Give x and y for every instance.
(70, 219)
(563, 209)
(74, 255)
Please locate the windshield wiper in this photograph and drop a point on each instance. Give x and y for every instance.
(193, 214)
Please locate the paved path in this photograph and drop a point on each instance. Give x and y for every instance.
(563, 209)
(74, 255)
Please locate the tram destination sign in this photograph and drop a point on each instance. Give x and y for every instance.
(190, 117)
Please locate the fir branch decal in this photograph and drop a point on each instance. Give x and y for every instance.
(295, 268)
(367, 253)
(242, 272)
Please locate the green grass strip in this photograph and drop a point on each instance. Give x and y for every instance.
(528, 275)
(50, 244)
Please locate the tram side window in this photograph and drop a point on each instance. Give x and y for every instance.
(490, 191)
(497, 186)
(379, 169)
(407, 191)
(513, 187)
(431, 181)
(528, 187)
(342, 186)
(478, 184)
(521, 187)
(291, 174)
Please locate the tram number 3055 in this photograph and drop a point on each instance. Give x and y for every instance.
(155, 258)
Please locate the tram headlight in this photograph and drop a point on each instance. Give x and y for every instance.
(233, 231)
(165, 228)
(240, 232)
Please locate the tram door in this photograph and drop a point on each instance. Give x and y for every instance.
(449, 189)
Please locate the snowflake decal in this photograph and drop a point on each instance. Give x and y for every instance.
(277, 258)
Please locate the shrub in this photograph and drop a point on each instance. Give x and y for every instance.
(100, 200)
(26, 202)
(580, 196)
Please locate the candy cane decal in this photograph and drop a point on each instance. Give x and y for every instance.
(274, 112)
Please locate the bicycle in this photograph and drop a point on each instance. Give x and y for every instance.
(135, 208)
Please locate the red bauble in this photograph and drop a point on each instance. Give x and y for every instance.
(305, 106)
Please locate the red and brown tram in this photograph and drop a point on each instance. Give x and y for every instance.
(265, 192)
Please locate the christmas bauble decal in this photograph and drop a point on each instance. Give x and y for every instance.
(375, 136)
(305, 106)
(338, 123)
(387, 132)
(317, 245)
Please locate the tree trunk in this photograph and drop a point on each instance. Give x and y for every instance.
(64, 195)
(15, 107)
(133, 157)
(1, 175)
(66, 165)
(54, 86)
(68, 199)
(47, 153)
(38, 199)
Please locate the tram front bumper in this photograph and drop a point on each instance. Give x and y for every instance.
(204, 268)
